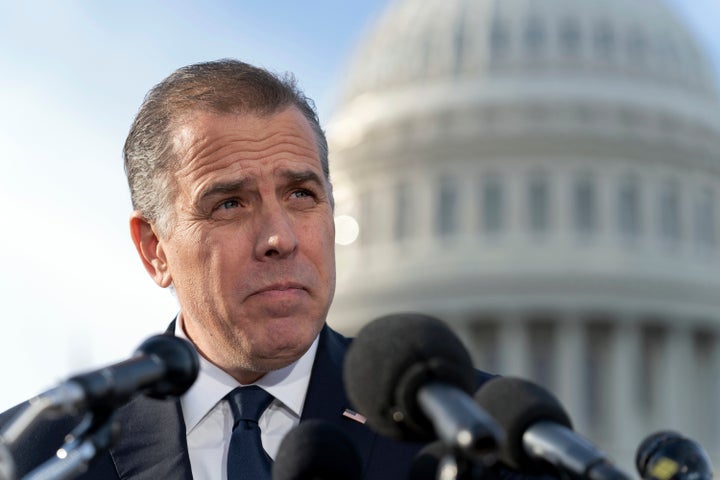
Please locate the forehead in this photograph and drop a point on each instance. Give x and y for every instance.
(208, 140)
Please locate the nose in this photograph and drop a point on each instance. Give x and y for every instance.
(275, 234)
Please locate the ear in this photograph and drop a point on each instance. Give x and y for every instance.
(150, 248)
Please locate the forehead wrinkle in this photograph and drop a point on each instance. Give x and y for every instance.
(271, 145)
(213, 149)
(207, 133)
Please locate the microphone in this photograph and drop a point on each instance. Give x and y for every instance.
(539, 432)
(667, 455)
(317, 450)
(7, 464)
(412, 378)
(162, 366)
(438, 461)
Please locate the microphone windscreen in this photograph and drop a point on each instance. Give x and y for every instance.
(666, 455)
(180, 360)
(517, 404)
(317, 450)
(388, 362)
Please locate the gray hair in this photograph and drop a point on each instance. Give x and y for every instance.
(224, 86)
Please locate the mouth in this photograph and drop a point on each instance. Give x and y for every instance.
(280, 288)
(280, 300)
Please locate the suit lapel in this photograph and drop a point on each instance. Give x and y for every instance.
(326, 399)
(152, 443)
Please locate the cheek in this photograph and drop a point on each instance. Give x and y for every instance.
(193, 259)
(322, 242)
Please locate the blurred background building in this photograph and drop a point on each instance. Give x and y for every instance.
(544, 176)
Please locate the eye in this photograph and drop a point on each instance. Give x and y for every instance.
(228, 204)
(301, 194)
(302, 198)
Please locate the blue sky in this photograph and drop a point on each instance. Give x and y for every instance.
(72, 74)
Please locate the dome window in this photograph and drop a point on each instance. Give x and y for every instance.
(534, 36)
(493, 204)
(499, 39)
(446, 222)
(585, 205)
(538, 204)
(637, 46)
(570, 37)
(669, 52)
(669, 213)
(629, 217)
(604, 40)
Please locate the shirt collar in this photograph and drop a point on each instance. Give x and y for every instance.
(288, 385)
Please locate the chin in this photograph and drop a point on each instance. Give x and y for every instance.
(276, 358)
(293, 330)
(289, 345)
(293, 346)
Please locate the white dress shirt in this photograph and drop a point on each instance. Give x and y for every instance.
(209, 421)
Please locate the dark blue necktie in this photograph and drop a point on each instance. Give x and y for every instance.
(247, 459)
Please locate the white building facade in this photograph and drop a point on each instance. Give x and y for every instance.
(545, 177)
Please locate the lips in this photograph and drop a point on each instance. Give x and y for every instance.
(280, 287)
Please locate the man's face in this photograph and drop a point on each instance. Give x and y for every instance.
(250, 245)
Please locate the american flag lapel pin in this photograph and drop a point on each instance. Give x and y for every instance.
(353, 415)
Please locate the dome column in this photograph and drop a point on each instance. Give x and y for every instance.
(461, 325)
(674, 385)
(622, 391)
(570, 368)
(513, 345)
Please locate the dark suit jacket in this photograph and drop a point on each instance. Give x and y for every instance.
(152, 443)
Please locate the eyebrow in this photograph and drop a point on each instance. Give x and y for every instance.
(290, 176)
(294, 176)
(224, 188)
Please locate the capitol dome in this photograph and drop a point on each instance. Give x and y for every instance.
(430, 40)
(544, 176)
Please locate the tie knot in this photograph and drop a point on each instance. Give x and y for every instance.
(248, 403)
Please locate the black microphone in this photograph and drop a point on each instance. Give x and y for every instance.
(413, 379)
(667, 455)
(7, 464)
(317, 450)
(438, 461)
(539, 432)
(162, 366)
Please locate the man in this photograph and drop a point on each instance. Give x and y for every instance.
(233, 209)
